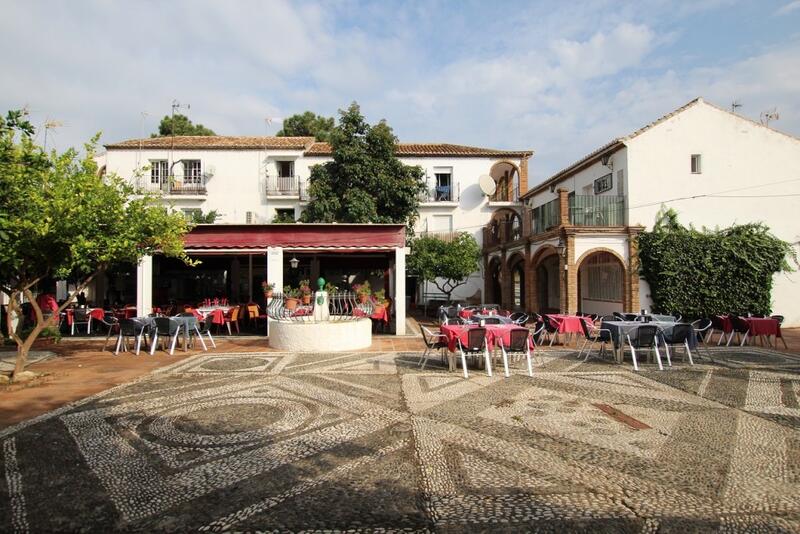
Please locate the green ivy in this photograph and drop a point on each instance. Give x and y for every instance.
(699, 273)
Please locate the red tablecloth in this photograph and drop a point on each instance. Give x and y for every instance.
(466, 314)
(494, 332)
(96, 313)
(127, 313)
(217, 316)
(763, 326)
(568, 324)
(379, 313)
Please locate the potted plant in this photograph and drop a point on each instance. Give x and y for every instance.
(267, 288)
(331, 288)
(363, 291)
(290, 295)
(305, 291)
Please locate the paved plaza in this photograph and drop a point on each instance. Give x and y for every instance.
(365, 442)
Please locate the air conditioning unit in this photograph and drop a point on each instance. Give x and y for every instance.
(250, 218)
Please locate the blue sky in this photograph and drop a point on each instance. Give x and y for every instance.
(561, 78)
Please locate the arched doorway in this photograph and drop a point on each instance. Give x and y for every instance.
(518, 283)
(548, 288)
(495, 291)
(601, 283)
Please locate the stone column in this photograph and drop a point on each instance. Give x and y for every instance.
(632, 283)
(144, 286)
(571, 275)
(400, 290)
(530, 290)
(274, 272)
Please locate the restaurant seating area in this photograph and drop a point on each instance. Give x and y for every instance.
(480, 336)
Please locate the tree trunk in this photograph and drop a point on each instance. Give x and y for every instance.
(22, 359)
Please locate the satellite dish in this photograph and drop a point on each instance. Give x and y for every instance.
(487, 184)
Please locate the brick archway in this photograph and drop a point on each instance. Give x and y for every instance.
(625, 281)
(536, 290)
(494, 280)
(516, 266)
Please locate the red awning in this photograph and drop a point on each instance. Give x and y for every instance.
(334, 237)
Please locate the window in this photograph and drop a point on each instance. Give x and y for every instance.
(604, 277)
(159, 171)
(444, 183)
(696, 168)
(284, 216)
(191, 213)
(285, 168)
(603, 184)
(191, 171)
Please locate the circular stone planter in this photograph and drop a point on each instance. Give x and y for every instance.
(323, 336)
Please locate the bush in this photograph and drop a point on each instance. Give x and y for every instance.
(698, 273)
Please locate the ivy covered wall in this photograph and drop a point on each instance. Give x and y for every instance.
(698, 273)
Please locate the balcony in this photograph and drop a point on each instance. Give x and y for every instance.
(440, 193)
(502, 193)
(507, 231)
(287, 186)
(545, 217)
(447, 236)
(597, 210)
(176, 185)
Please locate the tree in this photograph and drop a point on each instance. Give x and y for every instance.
(446, 264)
(307, 124)
(198, 217)
(364, 182)
(60, 219)
(180, 125)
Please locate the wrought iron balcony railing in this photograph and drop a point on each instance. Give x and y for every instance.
(175, 185)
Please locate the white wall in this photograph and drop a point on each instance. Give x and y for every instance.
(738, 157)
(238, 185)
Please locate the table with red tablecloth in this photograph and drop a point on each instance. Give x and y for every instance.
(127, 313)
(570, 324)
(94, 313)
(494, 333)
(763, 326)
(217, 315)
(379, 313)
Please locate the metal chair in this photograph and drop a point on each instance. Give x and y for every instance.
(476, 343)
(81, 316)
(701, 328)
(741, 328)
(594, 335)
(132, 328)
(519, 318)
(168, 327)
(550, 328)
(432, 341)
(680, 335)
(779, 318)
(206, 329)
(111, 322)
(644, 337)
(518, 343)
(718, 323)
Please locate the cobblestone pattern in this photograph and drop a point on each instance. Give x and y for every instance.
(365, 442)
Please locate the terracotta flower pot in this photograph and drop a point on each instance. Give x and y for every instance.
(291, 303)
(268, 294)
(362, 299)
(306, 299)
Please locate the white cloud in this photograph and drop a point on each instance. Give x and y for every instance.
(788, 8)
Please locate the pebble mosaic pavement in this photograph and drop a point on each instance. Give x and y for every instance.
(365, 442)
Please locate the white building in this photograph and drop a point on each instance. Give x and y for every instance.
(715, 168)
(253, 180)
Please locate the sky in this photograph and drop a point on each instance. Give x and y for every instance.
(558, 78)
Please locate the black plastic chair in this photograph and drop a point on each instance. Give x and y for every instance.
(741, 328)
(112, 323)
(476, 343)
(518, 343)
(131, 328)
(701, 328)
(550, 328)
(204, 328)
(779, 318)
(594, 335)
(644, 337)
(680, 336)
(519, 318)
(165, 326)
(81, 316)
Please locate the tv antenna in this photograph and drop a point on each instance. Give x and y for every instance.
(50, 124)
(735, 105)
(769, 115)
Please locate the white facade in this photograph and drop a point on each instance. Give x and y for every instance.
(236, 181)
(747, 173)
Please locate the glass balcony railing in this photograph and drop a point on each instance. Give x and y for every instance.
(545, 217)
(597, 210)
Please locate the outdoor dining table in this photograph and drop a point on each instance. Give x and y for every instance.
(94, 313)
(620, 329)
(494, 333)
(570, 324)
(763, 326)
(217, 314)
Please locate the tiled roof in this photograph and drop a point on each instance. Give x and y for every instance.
(216, 142)
(434, 149)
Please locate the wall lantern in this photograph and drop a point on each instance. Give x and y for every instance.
(561, 247)
(294, 262)
(605, 159)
